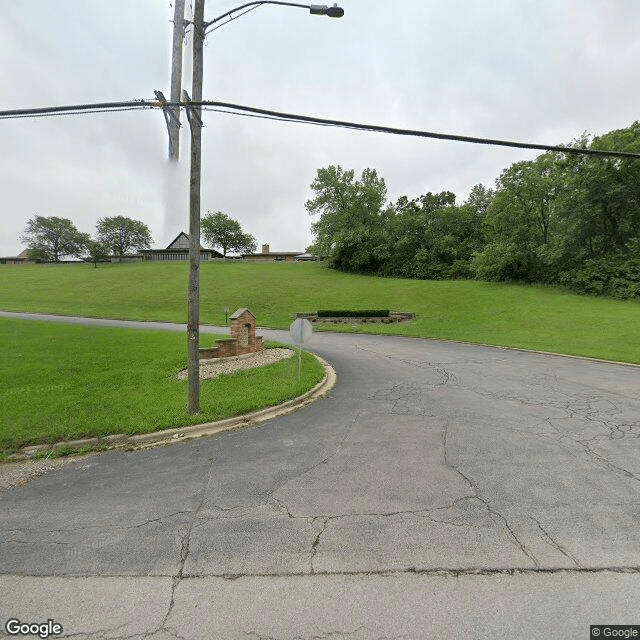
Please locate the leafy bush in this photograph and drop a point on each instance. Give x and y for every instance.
(610, 276)
(506, 262)
(367, 313)
(425, 268)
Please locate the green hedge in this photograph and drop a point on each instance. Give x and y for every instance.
(366, 313)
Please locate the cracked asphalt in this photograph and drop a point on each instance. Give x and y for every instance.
(441, 490)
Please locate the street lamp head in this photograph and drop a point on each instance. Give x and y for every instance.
(323, 10)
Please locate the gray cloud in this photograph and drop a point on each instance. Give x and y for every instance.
(539, 71)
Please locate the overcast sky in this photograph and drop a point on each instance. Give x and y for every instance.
(541, 71)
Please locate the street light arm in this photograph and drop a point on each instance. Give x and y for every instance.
(333, 12)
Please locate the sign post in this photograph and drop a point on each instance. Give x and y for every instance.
(300, 331)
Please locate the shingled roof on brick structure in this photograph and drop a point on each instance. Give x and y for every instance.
(239, 312)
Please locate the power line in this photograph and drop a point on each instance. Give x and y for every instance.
(256, 115)
(78, 108)
(72, 113)
(256, 112)
(236, 109)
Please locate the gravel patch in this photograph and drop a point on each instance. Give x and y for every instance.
(13, 474)
(215, 367)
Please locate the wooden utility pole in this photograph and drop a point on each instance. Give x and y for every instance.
(173, 123)
(193, 322)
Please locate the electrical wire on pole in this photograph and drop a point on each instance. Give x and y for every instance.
(256, 112)
(78, 109)
(242, 110)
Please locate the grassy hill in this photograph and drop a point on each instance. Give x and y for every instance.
(542, 318)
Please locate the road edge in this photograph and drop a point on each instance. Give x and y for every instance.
(190, 432)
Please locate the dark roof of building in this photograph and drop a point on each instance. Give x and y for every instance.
(23, 255)
(177, 250)
(170, 248)
(186, 237)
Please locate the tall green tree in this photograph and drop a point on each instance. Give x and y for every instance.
(123, 234)
(479, 200)
(52, 238)
(426, 237)
(352, 213)
(601, 209)
(519, 220)
(569, 219)
(410, 232)
(219, 230)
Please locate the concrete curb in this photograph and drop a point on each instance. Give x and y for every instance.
(521, 349)
(180, 434)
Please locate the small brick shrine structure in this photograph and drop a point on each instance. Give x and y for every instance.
(243, 338)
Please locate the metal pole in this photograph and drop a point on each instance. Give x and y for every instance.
(173, 123)
(193, 322)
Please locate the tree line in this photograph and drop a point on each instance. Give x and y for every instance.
(564, 219)
(51, 239)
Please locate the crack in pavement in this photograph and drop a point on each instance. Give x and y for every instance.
(184, 550)
(423, 513)
(325, 460)
(269, 496)
(103, 633)
(555, 544)
(433, 571)
(605, 462)
(446, 376)
(328, 635)
(100, 527)
(316, 542)
(479, 497)
(587, 444)
(592, 409)
(404, 399)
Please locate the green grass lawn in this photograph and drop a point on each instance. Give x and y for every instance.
(69, 381)
(543, 318)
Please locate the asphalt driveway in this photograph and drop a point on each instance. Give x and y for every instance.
(441, 490)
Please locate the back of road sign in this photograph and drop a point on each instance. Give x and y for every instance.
(301, 330)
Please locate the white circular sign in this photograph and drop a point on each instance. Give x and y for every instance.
(300, 330)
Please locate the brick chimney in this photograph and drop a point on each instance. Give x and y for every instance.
(265, 248)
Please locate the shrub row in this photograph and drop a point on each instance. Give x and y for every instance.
(366, 313)
(618, 278)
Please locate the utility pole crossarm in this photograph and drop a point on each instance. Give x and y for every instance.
(192, 113)
(169, 114)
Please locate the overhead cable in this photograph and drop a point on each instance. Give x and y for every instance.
(243, 110)
(237, 109)
(78, 108)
